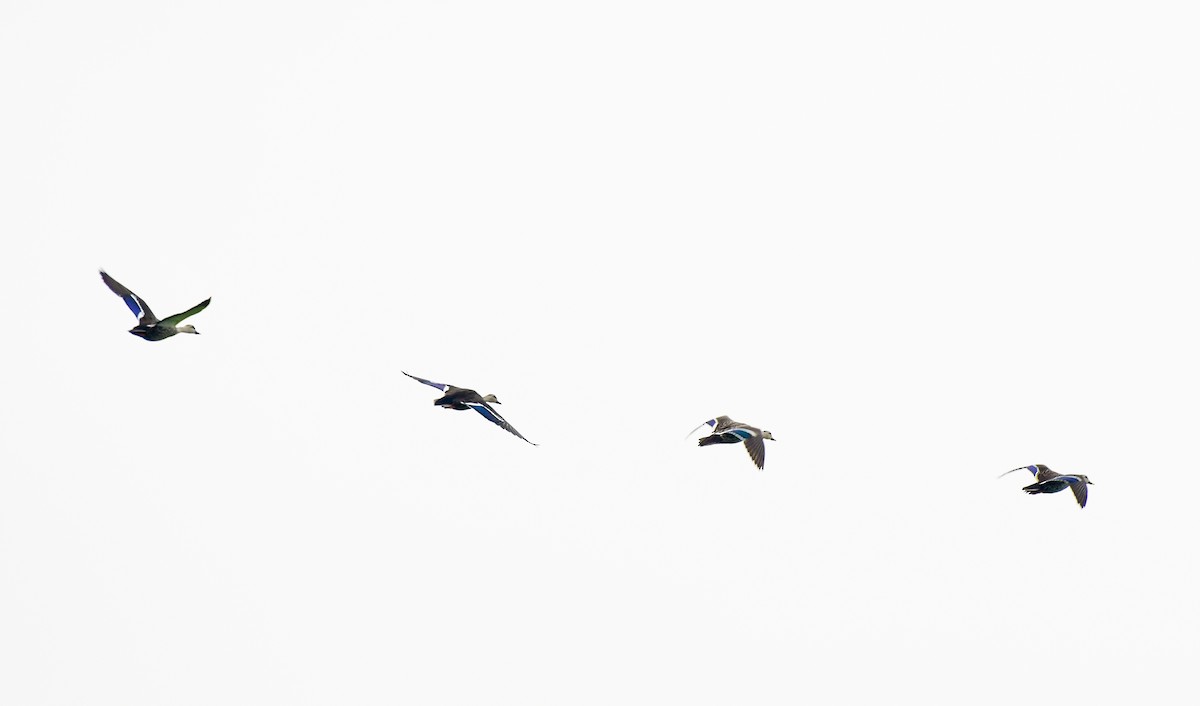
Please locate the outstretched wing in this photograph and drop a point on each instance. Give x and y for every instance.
(1079, 487)
(493, 416)
(175, 319)
(757, 450)
(711, 423)
(135, 303)
(1031, 469)
(431, 383)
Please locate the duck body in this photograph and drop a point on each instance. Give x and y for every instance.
(155, 332)
(729, 437)
(459, 398)
(1053, 485)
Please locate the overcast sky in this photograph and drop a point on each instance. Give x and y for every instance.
(922, 243)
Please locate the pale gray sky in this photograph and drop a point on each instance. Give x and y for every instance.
(922, 245)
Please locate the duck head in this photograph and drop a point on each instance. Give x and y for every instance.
(767, 435)
(187, 328)
(491, 399)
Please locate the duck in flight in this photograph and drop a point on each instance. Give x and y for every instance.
(462, 398)
(1047, 481)
(727, 431)
(150, 327)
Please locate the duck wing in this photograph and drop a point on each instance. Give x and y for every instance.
(494, 417)
(757, 450)
(1022, 468)
(711, 423)
(176, 318)
(1079, 487)
(431, 383)
(135, 303)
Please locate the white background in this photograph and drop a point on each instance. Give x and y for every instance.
(922, 243)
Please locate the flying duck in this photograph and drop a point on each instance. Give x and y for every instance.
(727, 431)
(1047, 481)
(462, 398)
(150, 327)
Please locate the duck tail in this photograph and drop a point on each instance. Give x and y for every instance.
(710, 440)
(1034, 489)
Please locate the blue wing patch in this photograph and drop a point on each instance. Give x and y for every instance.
(133, 305)
(431, 383)
(741, 433)
(487, 413)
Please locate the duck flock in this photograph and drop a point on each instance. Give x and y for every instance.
(724, 429)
